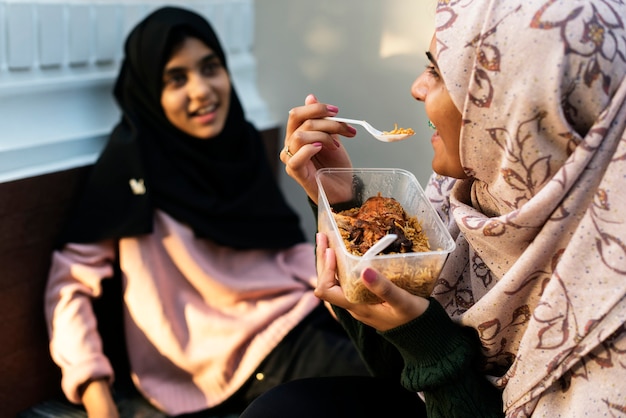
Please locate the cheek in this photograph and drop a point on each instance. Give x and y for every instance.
(171, 104)
(450, 131)
(437, 105)
(224, 88)
(166, 103)
(434, 112)
(225, 93)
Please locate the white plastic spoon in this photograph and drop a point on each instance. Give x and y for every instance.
(381, 136)
(378, 246)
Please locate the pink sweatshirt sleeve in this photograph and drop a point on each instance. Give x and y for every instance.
(75, 345)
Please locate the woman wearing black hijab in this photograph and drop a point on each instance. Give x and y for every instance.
(216, 276)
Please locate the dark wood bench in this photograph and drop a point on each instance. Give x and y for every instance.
(32, 213)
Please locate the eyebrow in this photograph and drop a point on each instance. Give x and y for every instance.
(432, 59)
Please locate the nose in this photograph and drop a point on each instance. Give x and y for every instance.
(198, 87)
(419, 88)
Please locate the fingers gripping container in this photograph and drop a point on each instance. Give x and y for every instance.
(416, 272)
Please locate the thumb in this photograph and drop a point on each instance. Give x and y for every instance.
(380, 286)
(310, 99)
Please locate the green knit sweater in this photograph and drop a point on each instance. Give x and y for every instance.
(430, 354)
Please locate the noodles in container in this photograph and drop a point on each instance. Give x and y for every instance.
(357, 206)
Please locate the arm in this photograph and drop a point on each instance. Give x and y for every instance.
(406, 336)
(75, 345)
(420, 343)
(98, 400)
(380, 356)
(442, 359)
(431, 355)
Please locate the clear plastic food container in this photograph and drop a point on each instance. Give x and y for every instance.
(417, 272)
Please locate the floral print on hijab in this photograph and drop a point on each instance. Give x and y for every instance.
(540, 264)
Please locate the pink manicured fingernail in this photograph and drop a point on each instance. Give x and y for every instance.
(317, 144)
(352, 129)
(337, 144)
(332, 109)
(369, 275)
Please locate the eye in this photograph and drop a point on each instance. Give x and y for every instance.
(174, 80)
(432, 70)
(211, 68)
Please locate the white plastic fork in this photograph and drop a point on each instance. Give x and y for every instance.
(378, 246)
(373, 131)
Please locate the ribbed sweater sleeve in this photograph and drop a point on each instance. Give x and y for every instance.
(381, 357)
(442, 360)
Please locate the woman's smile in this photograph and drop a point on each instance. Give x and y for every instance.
(430, 88)
(196, 90)
(205, 115)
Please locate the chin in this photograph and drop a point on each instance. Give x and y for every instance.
(205, 134)
(205, 137)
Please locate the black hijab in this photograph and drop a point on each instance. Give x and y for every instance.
(222, 187)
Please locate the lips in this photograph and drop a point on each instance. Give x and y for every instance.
(435, 137)
(204, 110)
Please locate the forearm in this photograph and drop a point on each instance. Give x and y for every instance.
(468, 396)
(75, 343)
(442, 360)
(98, 400)
(430, 354)
(381, 357)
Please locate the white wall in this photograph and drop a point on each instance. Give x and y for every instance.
(361, 55)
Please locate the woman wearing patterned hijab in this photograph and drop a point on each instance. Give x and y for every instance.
(528, 102)
(216, 278)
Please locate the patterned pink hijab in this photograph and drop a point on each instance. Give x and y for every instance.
(540, 264)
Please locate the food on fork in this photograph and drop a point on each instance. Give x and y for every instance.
(399, 131)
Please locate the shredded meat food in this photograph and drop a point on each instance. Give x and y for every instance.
(362, 226)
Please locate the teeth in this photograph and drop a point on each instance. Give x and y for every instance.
(204, 110)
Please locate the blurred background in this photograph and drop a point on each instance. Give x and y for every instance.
(59, 58)
(359, 55)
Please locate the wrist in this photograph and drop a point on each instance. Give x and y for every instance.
(98, 399)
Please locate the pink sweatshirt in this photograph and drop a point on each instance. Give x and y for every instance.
(199, 317)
